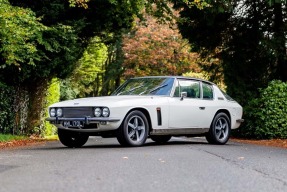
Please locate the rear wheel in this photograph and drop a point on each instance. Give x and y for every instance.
(219, 131)
(72, 139)
(160, 138)
(134, 129)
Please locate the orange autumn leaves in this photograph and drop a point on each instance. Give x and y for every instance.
(157, 49)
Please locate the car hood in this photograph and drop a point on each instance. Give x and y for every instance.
(107, 101)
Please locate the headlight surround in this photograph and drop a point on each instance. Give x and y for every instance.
(52, 112)
(97, 112)
(105, 112)
(59, 112)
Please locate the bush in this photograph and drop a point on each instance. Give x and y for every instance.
(6, 109)
(266, 116)
(53, 96)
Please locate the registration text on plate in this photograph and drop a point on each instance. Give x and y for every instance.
(72, 124)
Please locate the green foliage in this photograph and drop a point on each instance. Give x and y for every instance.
(8, 137)
(67, 90)
(41, 40)
(20, 32)
(111, 78)
(84, 81)
(6, 106)
(266, 115)
(30, 50)
(53, 96)
(241, 42)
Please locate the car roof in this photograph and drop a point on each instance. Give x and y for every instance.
(176, 77)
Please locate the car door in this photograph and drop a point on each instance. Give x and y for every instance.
(187, 111)
(209, 105)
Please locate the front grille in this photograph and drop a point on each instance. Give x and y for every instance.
(78, 112)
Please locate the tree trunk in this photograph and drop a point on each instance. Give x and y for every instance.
(36, 112)
(117, 82)
(20, 109)
(105, 79)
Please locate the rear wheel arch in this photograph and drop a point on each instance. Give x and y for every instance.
(220, 128)
(222, 111)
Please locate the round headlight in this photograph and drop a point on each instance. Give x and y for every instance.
(59, 112)
(106, 112)
(52, 112)
(97, 112)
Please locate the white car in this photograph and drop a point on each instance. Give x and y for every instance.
(155, 107)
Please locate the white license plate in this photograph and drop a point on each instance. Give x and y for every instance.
(73, 124)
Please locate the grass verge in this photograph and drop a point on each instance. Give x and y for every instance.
(8, 138)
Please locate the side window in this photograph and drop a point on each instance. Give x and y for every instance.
(207, 91)
(190, 87)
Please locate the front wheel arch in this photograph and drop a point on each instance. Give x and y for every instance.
(145, 112)
(134, 129)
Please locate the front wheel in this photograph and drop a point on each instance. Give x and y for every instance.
(134, 129)
(219, 131)
(72, 139)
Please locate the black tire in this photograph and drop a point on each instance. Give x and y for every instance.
(72, 139)
(220, 129)
(160, 138)
(134, 129)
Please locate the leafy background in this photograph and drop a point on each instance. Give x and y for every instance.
(54, 50)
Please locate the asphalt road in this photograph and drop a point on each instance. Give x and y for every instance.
(183, 164)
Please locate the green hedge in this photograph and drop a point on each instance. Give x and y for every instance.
(266, 116)
(6, 109)
(7, 112)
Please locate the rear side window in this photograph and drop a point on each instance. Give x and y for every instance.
(227, 96)
(207, 91)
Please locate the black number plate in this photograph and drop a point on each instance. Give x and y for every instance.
(73, 124)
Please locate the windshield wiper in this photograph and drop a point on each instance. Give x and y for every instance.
(157, 88)
(131, 90)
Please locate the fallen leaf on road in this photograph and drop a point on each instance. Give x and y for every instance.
(162, 161)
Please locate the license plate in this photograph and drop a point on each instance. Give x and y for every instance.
(73, 124)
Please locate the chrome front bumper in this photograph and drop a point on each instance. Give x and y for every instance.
(86, 120)
(89, 124)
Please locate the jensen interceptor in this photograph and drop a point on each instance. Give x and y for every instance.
(156, 107)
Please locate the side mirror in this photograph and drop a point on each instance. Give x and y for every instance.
(183, 95)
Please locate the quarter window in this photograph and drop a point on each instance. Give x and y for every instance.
(207, 91)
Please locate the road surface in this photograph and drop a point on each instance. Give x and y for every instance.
(184, 164)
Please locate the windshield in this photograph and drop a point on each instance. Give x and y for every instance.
(146, 86)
